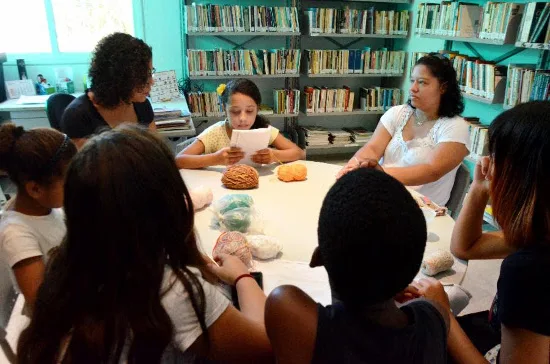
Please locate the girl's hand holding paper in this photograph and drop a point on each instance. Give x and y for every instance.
(263, 156)
(229, 155)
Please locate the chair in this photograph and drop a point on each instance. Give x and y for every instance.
(55, 106)
(187, 142)
(458, 192)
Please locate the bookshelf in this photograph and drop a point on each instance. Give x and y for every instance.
(242, 34)
(510, 26)
(342, 113)
(303, 39)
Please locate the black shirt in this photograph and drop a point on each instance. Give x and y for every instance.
(523, 291)
(81, 119)
(341, 338)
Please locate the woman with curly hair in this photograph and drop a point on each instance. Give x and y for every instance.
(121, 74)
(424, 141)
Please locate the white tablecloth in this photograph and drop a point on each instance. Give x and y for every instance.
(290, 212)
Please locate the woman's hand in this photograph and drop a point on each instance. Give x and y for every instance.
(228, 269)
(433, 290)
(355, 163)
(409, 293)
(263, 156)
(482, 174)
(229, 155)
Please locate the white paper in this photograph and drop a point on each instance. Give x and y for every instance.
(313, 281)
(17, 88)
(250, 141)
(26, 100)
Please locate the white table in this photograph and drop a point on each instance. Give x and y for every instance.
(291, 212)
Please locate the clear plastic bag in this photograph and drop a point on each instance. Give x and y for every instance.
(236, 213)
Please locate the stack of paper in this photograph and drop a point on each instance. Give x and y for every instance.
(171, 119)
(359, 135)
(339, 137)
(316, 136)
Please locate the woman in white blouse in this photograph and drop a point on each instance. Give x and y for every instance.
(422, 142)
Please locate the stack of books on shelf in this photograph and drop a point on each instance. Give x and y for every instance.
(496, 18)
(357, 21)
(359, 135)
(378, 98)
(286, 101)
(492, 21)
(325, 100)
(205, 104)
(526, 84)
(535, 25)
(236, 18)
(339, 138)
(171, 119)
(316, 136)
(364, 61)
(265, 110)
(243, 62)
(479, 138)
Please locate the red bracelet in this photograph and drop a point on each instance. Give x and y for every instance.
(242, 276)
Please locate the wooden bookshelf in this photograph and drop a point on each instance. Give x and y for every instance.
(231, 34)
(252, 77)
(344, 75)
(335, 35)
(343, 113)
(466, 40)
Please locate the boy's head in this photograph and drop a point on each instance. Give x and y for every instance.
(372, 236)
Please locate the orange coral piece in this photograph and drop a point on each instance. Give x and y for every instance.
(292, 172)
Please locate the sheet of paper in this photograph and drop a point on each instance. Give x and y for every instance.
(25, 100)
(250, 141)
(313, 281)
(14, 89)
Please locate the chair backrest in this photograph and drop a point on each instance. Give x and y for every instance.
(187, 142)
(55, 106)
(458, 192)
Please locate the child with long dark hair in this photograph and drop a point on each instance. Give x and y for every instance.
(129, 281)
(242, 99)
(32, 223)
(517, 177)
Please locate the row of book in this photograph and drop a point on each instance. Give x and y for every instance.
(205, 104)
(242, 62)
(525, 83)
(317, 136)
(535, 23)
(479, 140)
(236, 18)
(286, 101)
(357, 21)
(378, 98)
(457, 19)
(364, 61)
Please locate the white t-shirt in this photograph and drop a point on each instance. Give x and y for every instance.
(401, 153)
(215, 137)
(177, 304)
(186, 325)
(23, 236)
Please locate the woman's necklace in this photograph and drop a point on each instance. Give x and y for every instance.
(419, 117)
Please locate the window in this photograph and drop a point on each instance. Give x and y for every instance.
(61, 26)
(80, 24)
(24, 27)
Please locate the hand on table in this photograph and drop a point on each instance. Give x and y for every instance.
(229, 155)
(355, 163)
(263, 156)
(230, 267)
(432, 289)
